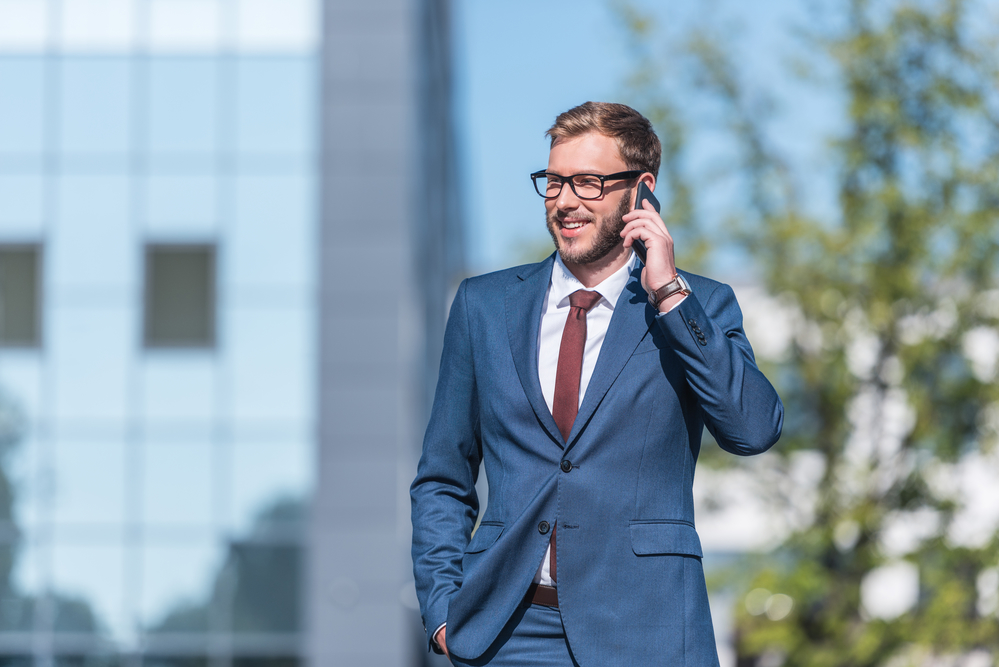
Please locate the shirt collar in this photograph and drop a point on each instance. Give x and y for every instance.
(564, 283)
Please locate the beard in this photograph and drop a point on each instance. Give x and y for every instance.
(607, 238)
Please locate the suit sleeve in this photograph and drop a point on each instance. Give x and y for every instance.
(740, 407)
(444, 501)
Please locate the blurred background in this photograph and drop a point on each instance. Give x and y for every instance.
(230, 231)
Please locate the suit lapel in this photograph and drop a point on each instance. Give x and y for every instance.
(524, 300)
(631, 320)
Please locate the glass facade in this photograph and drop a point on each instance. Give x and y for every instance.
(153, 495)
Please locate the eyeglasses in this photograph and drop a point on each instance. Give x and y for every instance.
(584, 186)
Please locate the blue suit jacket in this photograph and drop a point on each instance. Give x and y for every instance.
(630, 584)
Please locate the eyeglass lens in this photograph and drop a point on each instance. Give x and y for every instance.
(584, 185)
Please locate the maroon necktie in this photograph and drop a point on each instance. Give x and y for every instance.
(565, 404)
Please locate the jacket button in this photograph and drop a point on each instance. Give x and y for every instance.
(566, 466)
(543, 527)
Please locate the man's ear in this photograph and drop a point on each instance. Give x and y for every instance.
(648, 179)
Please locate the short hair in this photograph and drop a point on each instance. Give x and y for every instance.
(636, 138)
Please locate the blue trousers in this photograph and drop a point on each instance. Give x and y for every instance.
(533, 637)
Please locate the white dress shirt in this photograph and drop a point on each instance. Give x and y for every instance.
(554, 313)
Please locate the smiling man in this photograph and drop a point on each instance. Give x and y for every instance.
(583, 384)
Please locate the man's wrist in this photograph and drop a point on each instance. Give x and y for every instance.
(672, 303)
(437, 635)
(667, 295)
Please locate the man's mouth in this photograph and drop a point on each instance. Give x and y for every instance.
(571, 227)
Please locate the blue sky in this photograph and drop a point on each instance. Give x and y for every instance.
(504, 103)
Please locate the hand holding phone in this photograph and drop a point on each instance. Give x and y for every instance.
(642, 192)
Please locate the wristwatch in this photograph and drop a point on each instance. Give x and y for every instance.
(676, 286)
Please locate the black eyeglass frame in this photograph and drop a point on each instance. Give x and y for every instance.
(619, 176)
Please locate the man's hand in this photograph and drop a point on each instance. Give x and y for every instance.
(439, 638)
(660, 265)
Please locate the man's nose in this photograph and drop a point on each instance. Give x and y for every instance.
(567, 198)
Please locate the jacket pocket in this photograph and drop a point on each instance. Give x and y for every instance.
(660, 538)
(485, 535)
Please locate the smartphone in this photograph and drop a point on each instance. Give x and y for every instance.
(643, 192)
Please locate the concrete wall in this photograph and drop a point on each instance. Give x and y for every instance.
(389, 247)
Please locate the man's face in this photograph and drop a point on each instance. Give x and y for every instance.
(587, 230)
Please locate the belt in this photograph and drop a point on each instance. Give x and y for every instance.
(546, 596)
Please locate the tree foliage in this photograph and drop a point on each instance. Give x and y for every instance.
(891, 295)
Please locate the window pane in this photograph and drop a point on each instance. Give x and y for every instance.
(185, 26)
(21, 211)
(264, 570)
(166, 466)
(89, 482)
(16, 608)
(278, 25)
(174, 662)
(21, 377)
(179, 390)
(25, 473)
(96, 96)
(92, 242)
(276, 105)
(271, 364)
(178, 582)
(183, 105)
(90, 591)
(98, 25)
(267, 592)
(30, 567)
(273, 240)
(91, 348)
(87, 661)
(181, 204)
(23, 27)
(22, 117)
(180, 296)
(19, 295)
(270, 481)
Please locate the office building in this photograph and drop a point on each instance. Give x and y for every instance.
(190, 324)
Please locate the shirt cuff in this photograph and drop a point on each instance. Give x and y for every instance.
(434, 636)
(677, 304)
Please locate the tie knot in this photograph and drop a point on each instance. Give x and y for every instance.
(584, 299)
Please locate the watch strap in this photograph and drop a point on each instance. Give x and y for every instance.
(676, 286)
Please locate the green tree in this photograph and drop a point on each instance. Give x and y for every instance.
(891, 293)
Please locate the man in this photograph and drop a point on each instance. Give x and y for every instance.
(585, 398)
